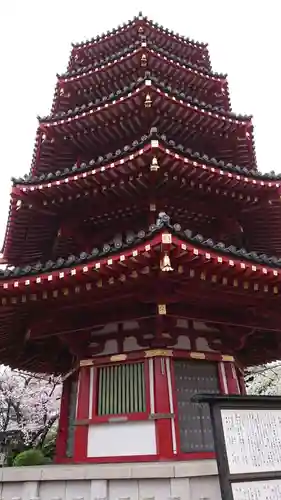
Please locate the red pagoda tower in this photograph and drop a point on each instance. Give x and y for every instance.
(138, 249)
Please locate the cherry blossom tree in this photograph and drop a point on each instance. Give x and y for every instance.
(264, 380)
(29, 404)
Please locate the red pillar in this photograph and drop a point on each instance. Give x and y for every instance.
(63, 421)
(162, 407)
(232, 378)
(223, 378)
(82, 415)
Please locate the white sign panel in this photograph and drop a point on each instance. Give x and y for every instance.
(253, 441)
(258, 490)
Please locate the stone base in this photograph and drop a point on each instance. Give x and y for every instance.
(192, 480)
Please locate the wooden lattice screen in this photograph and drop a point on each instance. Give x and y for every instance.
(121, 389)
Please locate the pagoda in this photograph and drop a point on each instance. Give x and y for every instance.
(143, 250)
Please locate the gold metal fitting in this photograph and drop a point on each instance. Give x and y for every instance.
(148, 101)
(143, 61)
(154, 167)
(166, 264)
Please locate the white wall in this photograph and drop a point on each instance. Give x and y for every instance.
(122, 439)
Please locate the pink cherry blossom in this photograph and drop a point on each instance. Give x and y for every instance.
(29, 403)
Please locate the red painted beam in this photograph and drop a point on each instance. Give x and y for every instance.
(89, 314)
(78, 320)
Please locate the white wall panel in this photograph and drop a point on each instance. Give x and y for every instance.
(122, 439)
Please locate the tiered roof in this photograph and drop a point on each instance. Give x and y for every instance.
(125, 34)
(140, 125)
(241, 281)
(117, 70)
(63, 136)
(127, 172)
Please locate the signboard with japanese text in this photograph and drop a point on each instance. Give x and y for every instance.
(252, 440)
(247, 434)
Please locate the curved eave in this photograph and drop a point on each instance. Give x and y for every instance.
(127, 32)
(103, 124)
(138, 20)
(131, 269)
(149, 85)
(264, 227)
(228, 177)
(91, 268)
(122, 67)
(52, 357)
(142, 48)
(210, 260)
(8, 230)
(36, 150)
(176, 172)
(16, 230)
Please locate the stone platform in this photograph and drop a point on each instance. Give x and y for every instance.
(191, 480)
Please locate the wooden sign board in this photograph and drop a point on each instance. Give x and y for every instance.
(247, 435)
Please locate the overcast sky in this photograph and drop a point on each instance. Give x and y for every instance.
(244, 41)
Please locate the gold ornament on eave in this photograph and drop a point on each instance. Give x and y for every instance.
(148, 101)
(143, 61)
(154, 166)
(165, 265)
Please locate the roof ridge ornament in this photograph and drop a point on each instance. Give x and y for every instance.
(163, 219)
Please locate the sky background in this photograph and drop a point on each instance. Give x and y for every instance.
(35, 39)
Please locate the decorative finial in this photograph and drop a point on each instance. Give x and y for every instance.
(153, 131)
(163, 219)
